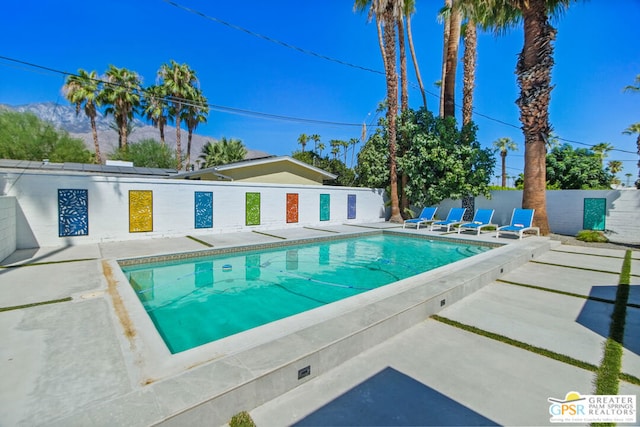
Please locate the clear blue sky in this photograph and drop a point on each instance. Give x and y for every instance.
(597, 54)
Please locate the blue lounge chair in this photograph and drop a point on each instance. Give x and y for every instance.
(521, 221)
(425, 217)
(481, 219)
(453, 218)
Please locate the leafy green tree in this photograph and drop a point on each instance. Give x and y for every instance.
(575, 169)
(82, 90)
(179, 82)
(346, 176)
(121, 92)
(23, 136)
(444, 161)
(222, 152)
(441, 161)
(503, 145)
(147, 153)
(373, 158)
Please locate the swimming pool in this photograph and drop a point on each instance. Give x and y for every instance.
(201, 299)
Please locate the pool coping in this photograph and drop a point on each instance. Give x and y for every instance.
(212, 382)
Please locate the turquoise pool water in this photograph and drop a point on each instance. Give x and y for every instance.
(199, 300)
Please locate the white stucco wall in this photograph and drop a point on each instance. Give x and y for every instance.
(7, 226)
(173, 206)
(565, 210)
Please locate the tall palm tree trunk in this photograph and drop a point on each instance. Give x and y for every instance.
(178, 142)
(404, 85)
(503, 156)
(415, 61)
(534, 78)
(96, 146)
(452, 61)
(445, 48)
(469, 70)
(392, 107)
(189, 137)
(161, 128)
(404, 106)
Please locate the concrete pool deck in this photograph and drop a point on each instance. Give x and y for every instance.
(72, 363)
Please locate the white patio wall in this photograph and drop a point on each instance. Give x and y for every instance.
(7, 226)
(565, 210)
(173, 206)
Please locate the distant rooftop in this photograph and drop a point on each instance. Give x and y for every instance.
(86, 168)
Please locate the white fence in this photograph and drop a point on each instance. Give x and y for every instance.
(56, 209)
(565, 210)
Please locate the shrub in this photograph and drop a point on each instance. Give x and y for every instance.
(242, 419)
(592, 236)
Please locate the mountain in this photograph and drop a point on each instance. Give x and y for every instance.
(64, 117)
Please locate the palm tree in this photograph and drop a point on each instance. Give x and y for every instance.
(633, 88)
(316, 140)
(453, 18)
(353, 142)
(386, 13)
(155, 108)
(409, 9)
(335, 147)
(504, 145)
(614, 166)
(195, 112)
(180, 84)
(83, 89)
(534, 78)
(631, 130)
(302, 140)
(601, 150)
(121, 92)
(222, 152)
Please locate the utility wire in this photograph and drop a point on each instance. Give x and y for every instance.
(339, 61)
(258, 114)
(187, 102)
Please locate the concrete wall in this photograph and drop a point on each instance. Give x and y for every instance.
(37, 213)
(7, 226)
(565, 210)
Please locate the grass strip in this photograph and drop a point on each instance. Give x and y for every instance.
(532, 348)
(48, 263)
(35, 304)
(202, 242)
(270, 235)
(608, 376)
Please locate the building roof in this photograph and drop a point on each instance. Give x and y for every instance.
(87, 168)
(220, 170)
